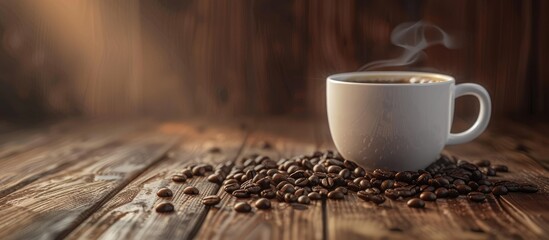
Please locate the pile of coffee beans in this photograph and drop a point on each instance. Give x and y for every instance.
(327, 175)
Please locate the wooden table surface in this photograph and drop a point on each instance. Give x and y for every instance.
(97, 179)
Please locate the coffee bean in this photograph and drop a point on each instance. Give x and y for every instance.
(314, 196)
(263, 203)
(179, 178)
(428, 196)
(164, 192)
(499, 190)
(391, 193)
(279, 177)
(241, 193)
(327, 182)
(484, 189)
(334, 169)
(242, 207)
(363, 195)
(473, 185)
(214, 150)
(190, 190)
(290, 198)
(415, 203)
(211, 200)
(336, 195)
(198, 171)
(441, 192)
(268, 193)
(500, 168)
(350, 165)
(452, 193)
(443, 182)
(187, 172)
(377, 199)
(342, 190)
(403, 176)
(374, 191)
(288, 188)
(319, 168)
(490, 171)
(383, 174)
(424, 178)
(427, 188)
(364, 184)
(345, 173)
(164, 207)
(484, 182)
(353, 186)
(386, 184)
(215, 178)
(299, 192)
(303, 200)
(459, 181)
(230, 188)
(298, 174)
(528, 188)
(302, 182)
(463, 189)
(359, 172)
(476, 196)
(483, 163)
(253, 188)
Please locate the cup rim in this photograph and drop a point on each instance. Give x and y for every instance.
(339, 78)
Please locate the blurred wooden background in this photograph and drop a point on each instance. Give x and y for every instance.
(172, 58)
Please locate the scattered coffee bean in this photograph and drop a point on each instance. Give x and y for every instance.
(198, 171)
(483, 163)
(528, 188)
(164, 192)
(215, 178)
(214, 150)
(441, 192)
(190, 190)
(499, 190)
(211, 200)
(377, 199)
(336, 195)
(314, 196)
(164, 207)
(415, 203)
(500, 168)
(262, 203)
(303, 200)
(428, 196)
(242, 207)
(484, 189)
(290, 198)
(327, 174)
(187, 172)
(476, 196)
(179, 178)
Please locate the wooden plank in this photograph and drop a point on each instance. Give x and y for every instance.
(53, 205)
(284, 221)
(445, 219)
(61, 149)
(130, 214)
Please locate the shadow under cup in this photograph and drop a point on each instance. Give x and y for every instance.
(394, 120)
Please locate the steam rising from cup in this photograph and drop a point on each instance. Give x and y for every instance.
(413, 37)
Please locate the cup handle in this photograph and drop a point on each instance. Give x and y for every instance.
(483, 117)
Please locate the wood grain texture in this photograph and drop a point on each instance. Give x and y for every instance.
(130, 214)
(185, 57)
(48, 153)
(513, 216)
(55, 204)
(283, 221)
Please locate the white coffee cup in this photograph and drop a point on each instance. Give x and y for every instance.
(400, 126)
